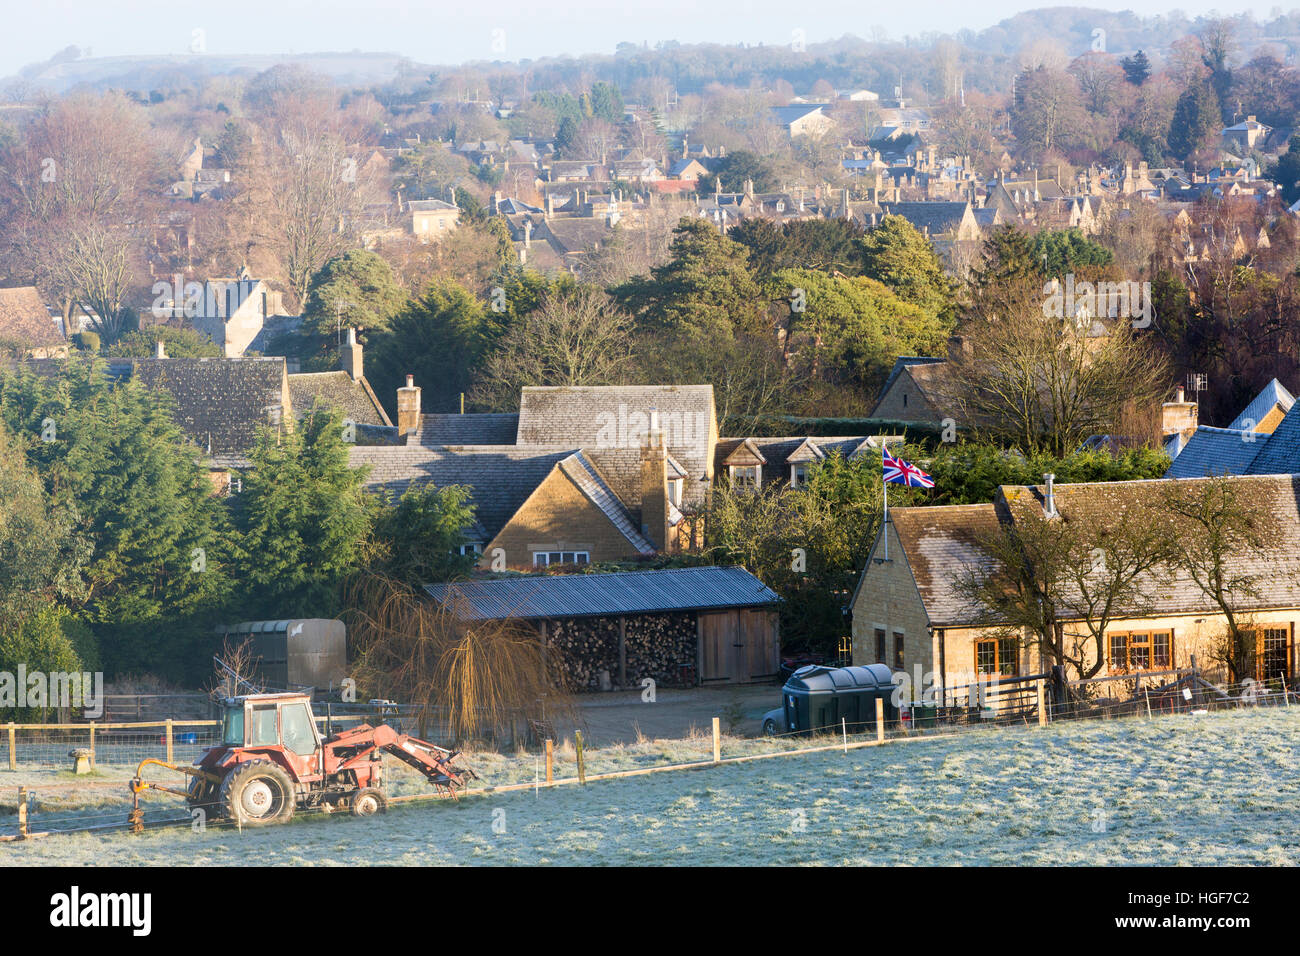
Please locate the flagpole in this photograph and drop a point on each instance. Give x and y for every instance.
(884, 487)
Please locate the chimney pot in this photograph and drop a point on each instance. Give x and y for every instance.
(159, 350)
(1049, 504)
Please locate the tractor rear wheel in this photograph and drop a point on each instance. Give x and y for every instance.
(257, 793)
(369, 801)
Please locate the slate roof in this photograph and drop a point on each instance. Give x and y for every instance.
(354, 399)
(575, 235)
(535, 597)
(779, 453)
(603, 419)
(1273, 500)
(933, 218)
(25, 321)
(1272, 395)
(1217, 451)
(902, 362)
(218, 402)
(501, 476)
(939, 542)
(1281, 453)
(583, 474)
(490, 428)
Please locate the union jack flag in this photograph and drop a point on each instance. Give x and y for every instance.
(900, 472)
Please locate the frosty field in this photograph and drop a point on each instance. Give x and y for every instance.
(1218, 789)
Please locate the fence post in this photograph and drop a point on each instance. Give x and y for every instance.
(13, 747)
(1042, 702)
(169, 740)
(550, 760)
(22, 813)
(92, 745)
(582, 766)
(880, 720)
(717, 740)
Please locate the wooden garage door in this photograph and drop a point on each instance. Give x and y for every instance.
(717, 645)
(739, 646)
(762, 643)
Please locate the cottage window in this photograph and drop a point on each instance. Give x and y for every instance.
(880, 645)
(471, 548)
(997, 657)
(798, 475)
(745, 476)
(1272, 652)
(898, 651)
(542, 559)
(1141, 651)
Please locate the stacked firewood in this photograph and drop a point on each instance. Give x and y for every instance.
(587, 646)
(661, 647)
(658, 646)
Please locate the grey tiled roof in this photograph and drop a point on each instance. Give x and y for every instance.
(474, 429)
(1281, 453)
(940, 543)
(354, 399)
(902, 362)
(936, 218)
(219, 402)
(776, 452)
(620, 592)
(586, 477)
(1217, 451)
(502, 476)
(602, 420)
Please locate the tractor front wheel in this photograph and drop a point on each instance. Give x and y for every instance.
(368, 802)
(257, 793)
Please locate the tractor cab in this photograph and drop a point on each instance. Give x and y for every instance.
(270, 720)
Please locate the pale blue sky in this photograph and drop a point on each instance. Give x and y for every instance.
(445, 32)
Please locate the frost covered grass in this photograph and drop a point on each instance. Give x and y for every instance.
(1219, 789)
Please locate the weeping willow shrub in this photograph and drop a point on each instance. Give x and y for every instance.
(483, 676)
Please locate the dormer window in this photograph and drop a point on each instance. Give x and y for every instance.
(745, 476)
(675, 491)
(798, 475)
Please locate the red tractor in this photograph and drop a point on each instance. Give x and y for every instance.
(273, 760)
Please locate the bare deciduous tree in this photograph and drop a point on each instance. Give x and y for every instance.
(572, 338)
(1046, 383)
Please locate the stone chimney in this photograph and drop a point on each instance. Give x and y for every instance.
(958, 348)
(654, 485)
(408, 407)
(550, 205)
(350, 356)
(159, 350)
(1179, 417)
(528, 233)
